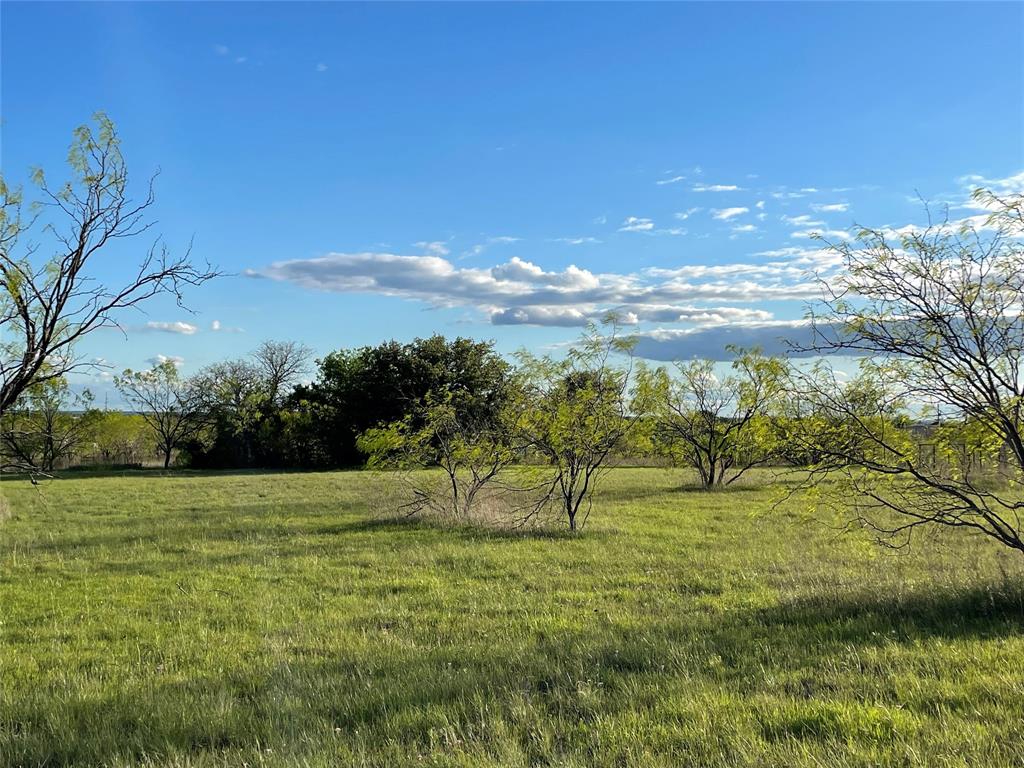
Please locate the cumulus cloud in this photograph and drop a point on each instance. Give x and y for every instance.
(519, 291)
(684, 215)
(636, 224)
(830, 207)
(627, 315)
(745, 228)
(724, 214)
(551, 316)
(176, 326)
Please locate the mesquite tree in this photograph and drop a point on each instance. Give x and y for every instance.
(938, 314)
(40, 429)
(49, 302)
(721, 426)
(579, 415)
(473, 450)
(174, 408)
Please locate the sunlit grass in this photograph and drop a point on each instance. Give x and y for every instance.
(270, 619)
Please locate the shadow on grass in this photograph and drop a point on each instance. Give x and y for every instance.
(400, 694)
(985, 610)
(159, 473)
(463, 530)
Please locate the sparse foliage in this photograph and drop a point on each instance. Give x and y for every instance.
(281, 365)
(939, 315)
(48, 304)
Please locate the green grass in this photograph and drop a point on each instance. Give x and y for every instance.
(268, 619)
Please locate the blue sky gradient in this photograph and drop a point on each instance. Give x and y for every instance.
(506, 171)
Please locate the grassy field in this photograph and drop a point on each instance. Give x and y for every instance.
(269, 619)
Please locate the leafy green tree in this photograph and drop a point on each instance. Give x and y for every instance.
(120, 438)
(174, 408)
(244, 402)
(578, 417)
(41, 429)
(719, 426)
(359, 389)
(473, 450)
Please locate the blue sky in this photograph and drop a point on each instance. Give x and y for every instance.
(507, 171)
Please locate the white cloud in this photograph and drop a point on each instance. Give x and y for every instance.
(636, 224)
(552, 316)
(177, 360)
(1014, 183)
(827, 234)
(321, 67)
(574, 240)
(1000, 187)
(433, 247)
(815, 260)
(521, 291)
(176, 326)
(628, 315)
(803, 220)
(218, 327)
(716, 188)
(724, 214)
(745, 228)
(673, 180)
(518, 270)
(830, 207)
(759, 205)
(684, 215)
(503, 239)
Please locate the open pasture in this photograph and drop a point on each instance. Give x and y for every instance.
(189, 619)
